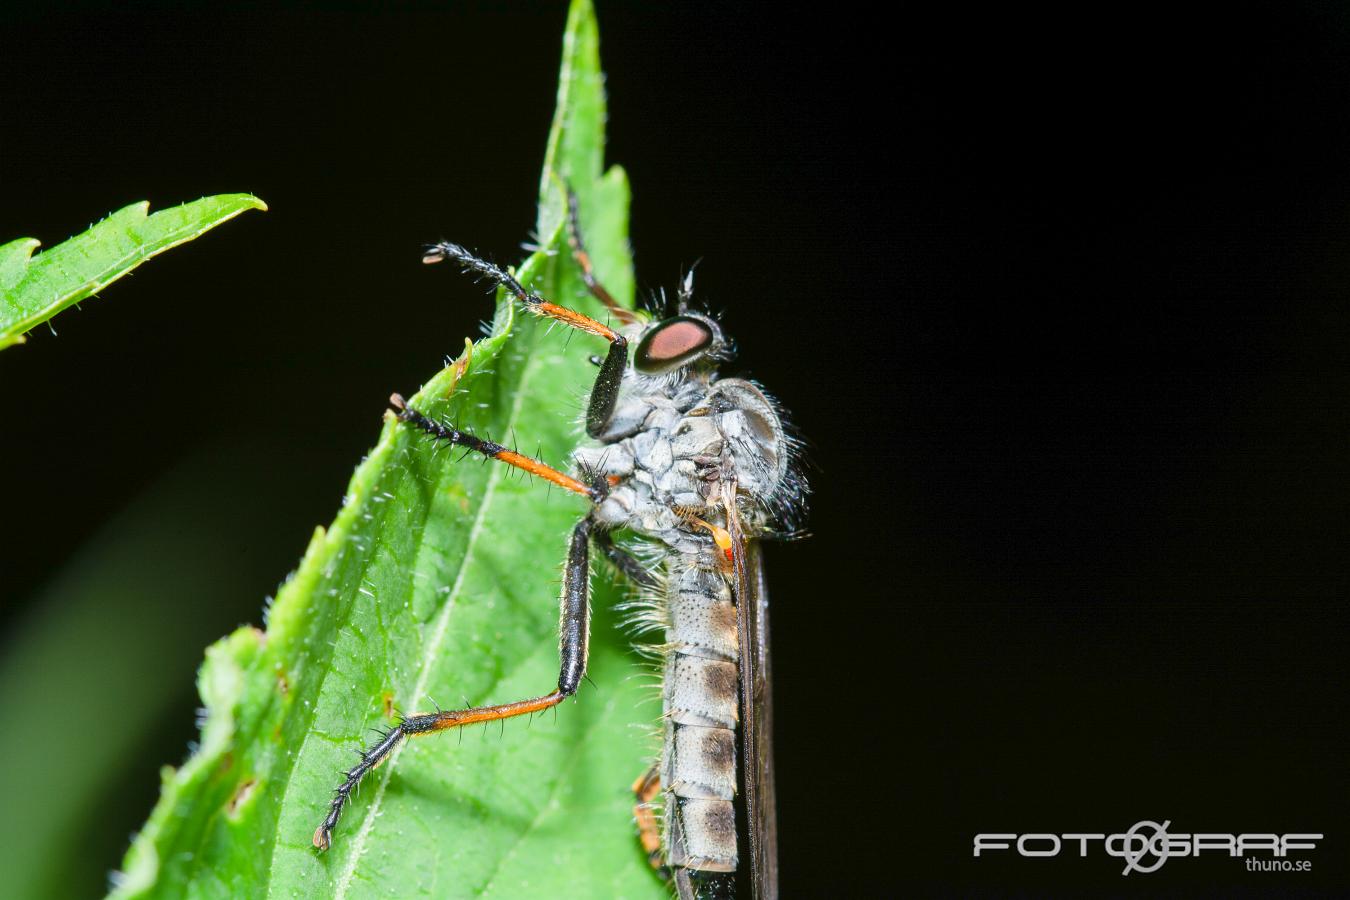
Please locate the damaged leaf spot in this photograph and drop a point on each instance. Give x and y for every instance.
(241, 796)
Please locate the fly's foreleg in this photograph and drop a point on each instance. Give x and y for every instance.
(573, 647)
(605, 392)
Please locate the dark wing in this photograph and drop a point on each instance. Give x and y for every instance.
(752, 619)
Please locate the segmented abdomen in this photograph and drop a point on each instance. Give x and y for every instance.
(698, 762)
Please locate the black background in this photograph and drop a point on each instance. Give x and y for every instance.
(1061, 311)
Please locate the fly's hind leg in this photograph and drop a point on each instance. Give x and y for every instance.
(605, 392)
(622, 561)
(574, 637)
(645, 790)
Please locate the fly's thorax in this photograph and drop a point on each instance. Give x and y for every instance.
(660, 470)
(694, 440)
(653, 401)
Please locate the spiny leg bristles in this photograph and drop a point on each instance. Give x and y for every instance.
(475, 265)
(370, 759)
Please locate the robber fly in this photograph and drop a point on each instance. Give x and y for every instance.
(697, 468)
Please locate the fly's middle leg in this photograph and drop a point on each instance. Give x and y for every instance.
(573, 647)
(595, 492)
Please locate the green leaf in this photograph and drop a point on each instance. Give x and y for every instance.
(35, 288)
(438, 578)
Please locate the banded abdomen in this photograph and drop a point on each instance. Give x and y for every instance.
(698, 760)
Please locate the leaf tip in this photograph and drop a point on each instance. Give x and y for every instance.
(19, 250)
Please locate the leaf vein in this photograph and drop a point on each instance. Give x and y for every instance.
(432, 648)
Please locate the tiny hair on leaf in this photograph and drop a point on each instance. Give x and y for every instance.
(34, 287)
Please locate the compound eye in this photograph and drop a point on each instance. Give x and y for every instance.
(673, 343)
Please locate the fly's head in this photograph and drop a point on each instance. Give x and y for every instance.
(679, 341)
(684, 339)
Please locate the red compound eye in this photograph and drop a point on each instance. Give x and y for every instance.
(672, 344)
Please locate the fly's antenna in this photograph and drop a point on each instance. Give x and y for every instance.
(687, 288)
